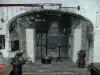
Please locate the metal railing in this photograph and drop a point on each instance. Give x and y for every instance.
(94, 70)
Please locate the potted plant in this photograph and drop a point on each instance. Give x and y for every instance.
(46, 59)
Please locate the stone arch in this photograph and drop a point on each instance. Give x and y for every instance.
(57, 11)
(65, 12)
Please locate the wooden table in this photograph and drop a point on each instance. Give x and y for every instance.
(7, 71)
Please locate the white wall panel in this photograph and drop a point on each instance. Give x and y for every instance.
(30, 43)
(77, 43)
(96, 57)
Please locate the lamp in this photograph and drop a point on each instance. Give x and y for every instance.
(2, 20)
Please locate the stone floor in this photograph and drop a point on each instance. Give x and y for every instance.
(66, 67)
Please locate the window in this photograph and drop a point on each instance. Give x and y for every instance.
(15, 45)
(2, 41)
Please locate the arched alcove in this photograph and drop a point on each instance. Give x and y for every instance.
(86, 26)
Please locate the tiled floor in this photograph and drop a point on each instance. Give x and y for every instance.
(66, 67)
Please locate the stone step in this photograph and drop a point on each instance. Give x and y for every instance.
(24, 44)
(48, 72)
(60, 68)
(24, 49)
(58, 73)
(23, 33)
(23, 39)
(53, 70)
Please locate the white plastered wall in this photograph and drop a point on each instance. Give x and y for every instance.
(77, 41)
(30, 43)
(96, 56)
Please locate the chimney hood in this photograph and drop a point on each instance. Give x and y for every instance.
(54, 29)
